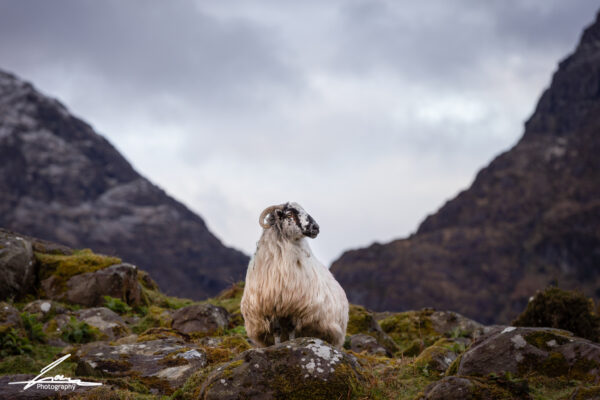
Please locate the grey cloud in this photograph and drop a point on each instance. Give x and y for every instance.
(146, 48)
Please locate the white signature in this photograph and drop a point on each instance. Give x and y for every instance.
(60, 382)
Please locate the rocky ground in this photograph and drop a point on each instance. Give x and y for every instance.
(141, 344)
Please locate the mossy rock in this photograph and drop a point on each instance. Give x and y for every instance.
(532, 351)
(437, 357)
(562, 309)
(411, 330)
(362, 321)
(304, 368)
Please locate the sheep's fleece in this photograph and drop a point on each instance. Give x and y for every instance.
(288, 292)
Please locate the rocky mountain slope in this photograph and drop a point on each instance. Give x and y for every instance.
(530, 218)
(104, 321)
(61, 181)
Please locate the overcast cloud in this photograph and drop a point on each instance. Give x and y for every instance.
(368, 113)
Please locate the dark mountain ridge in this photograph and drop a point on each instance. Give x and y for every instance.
(61, 181)
(530, 218)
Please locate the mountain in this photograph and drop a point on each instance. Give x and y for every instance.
(61, 181)
(531, 217)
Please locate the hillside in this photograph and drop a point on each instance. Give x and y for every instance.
(61, 181)
(531, 217)
(104, 322)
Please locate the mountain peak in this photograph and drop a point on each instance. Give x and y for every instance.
(63, 182)
(530, 217)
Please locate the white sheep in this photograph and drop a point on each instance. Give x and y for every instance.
(288, 292)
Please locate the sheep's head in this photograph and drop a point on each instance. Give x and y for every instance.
(290, 219)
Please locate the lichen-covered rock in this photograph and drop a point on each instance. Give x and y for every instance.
(9, 316)
(162, 364)
(201, 319)
(106, 321)
(361, 342)
(522, 351)
(44, 307)
(17, 267)
(88, 289)
(304, 368)
(472, 388)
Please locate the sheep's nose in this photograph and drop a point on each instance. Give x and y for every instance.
(314, 228)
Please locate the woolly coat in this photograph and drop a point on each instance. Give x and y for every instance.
(285, 280)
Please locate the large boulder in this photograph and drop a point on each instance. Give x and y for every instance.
(88, 289)
(17, 266)
(300, 368)
(521, 351)
(201, 319)
(162, 364)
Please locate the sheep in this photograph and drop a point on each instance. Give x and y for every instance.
(288, 292)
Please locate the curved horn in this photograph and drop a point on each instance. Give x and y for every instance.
(263, 215)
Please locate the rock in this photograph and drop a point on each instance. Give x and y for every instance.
(362, 321)
(203, 319)
(106, 321)
(162, 364)
(89, 289)
(438, 356)
(44, 307)
(361, 342)
(462, 387)
(17, 266)
(9, 316)
(521, 351)
(452, 324)
(306, 367)
(16, 392)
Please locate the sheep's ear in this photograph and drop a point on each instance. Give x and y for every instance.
(278, 214)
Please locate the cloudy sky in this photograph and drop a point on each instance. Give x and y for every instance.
(369, 113)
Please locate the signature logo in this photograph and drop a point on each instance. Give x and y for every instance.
(56, 382)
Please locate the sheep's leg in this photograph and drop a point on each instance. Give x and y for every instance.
(276, 329)
(292, 335)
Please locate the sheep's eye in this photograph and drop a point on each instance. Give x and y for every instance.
(289, 214)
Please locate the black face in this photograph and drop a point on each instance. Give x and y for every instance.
(292, 213)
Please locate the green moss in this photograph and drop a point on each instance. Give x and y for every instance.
(155, 317)
(33, 361)
(33, 328)
(411, 330)
(584, 393)
(79, 332)
(563, 309)
(540, 339)
(581, 368)
(359, 320)
(13, 342)
(453, 368)
(160, 333)
(66, 266)
(191, 388)
(116, 305)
